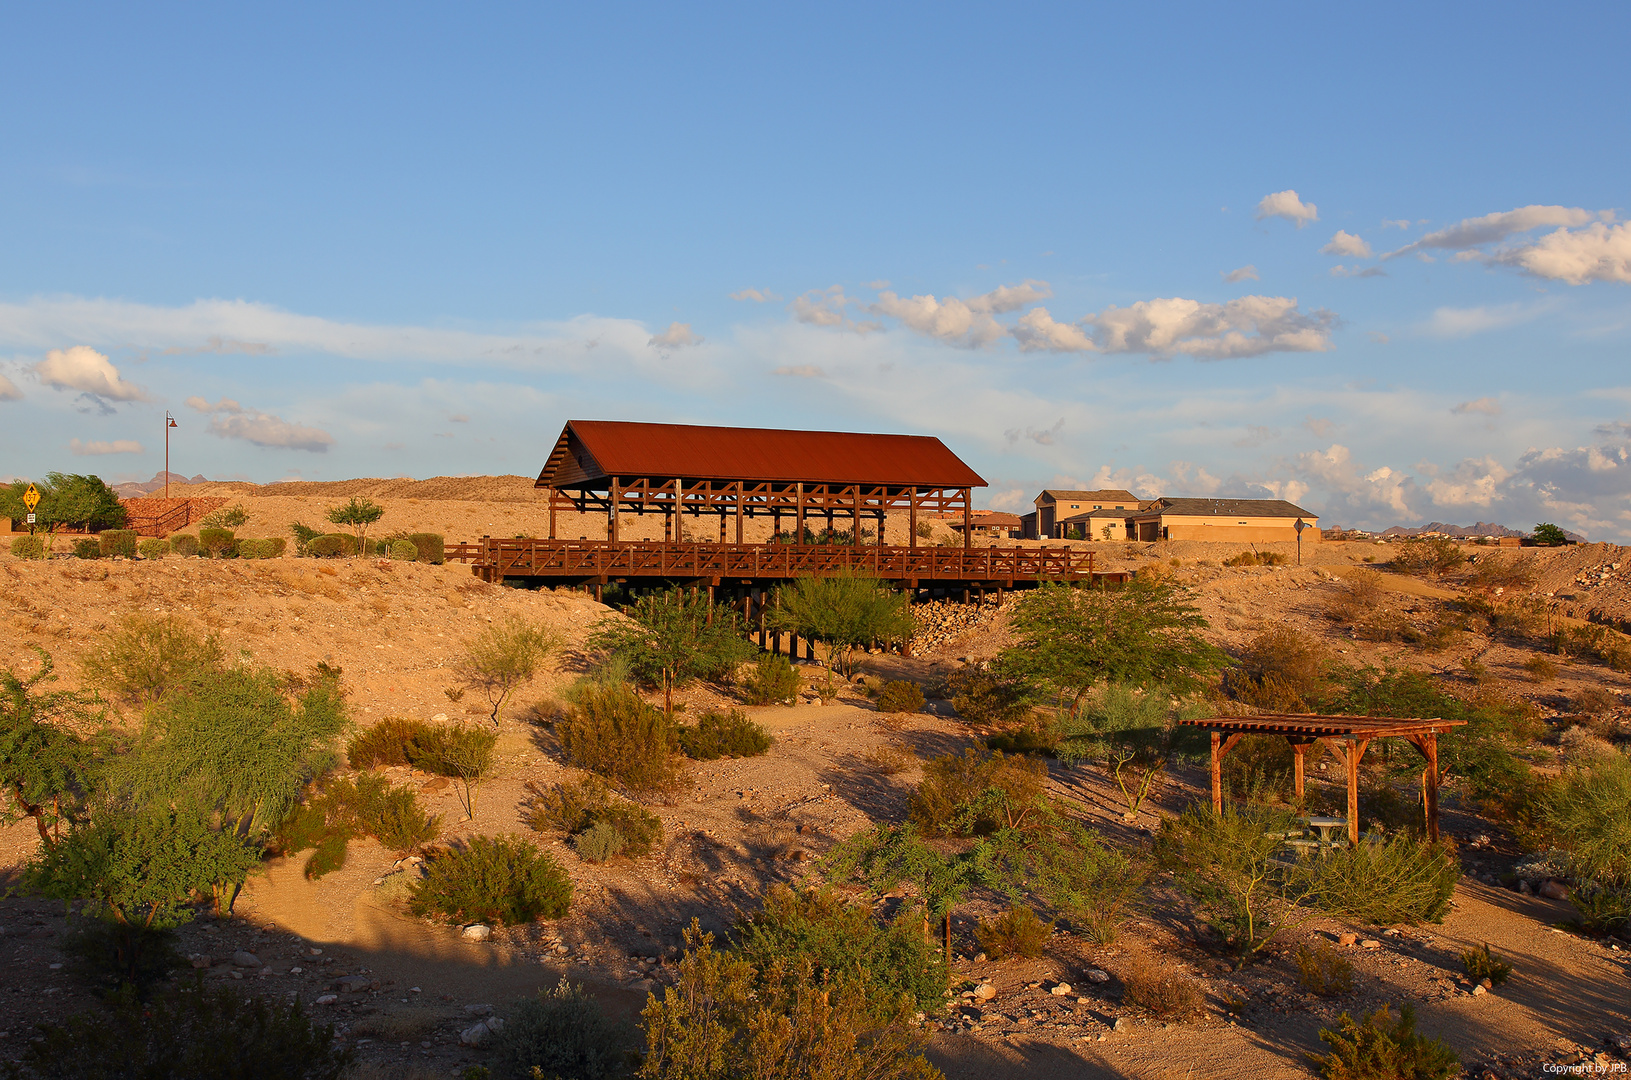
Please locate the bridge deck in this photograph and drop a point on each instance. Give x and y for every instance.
(598, 561)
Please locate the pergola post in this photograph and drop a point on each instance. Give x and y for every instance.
(798, 536)
(911, 519)
(1298, 750)
(1356, 750)
(1217, 773)
(739, 513)
(968, 519)
(1427, 743)
(611, 522)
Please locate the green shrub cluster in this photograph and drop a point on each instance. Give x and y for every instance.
(403, 551)
(900, 696)
(774, 681)
(1593, 642)
(976, 793)
(184, 545)
(1380, 1048)
(611, 731)
(601, 826)
(146, 657)
(1482, 964)
(1159, 988)
(428, 547)
(494, 879)
(985, 698)
(1016, 932)
(1427, 555)
(28, 547)
(561, 1033)
(717, 735)
(150, 548)
(1324, 971)
(262, 549)
(344, 809)
(87, 548)
(1257, 558)
(118, 542)
(227, 517)
(395, 740)
(1586, 814)
(217, 543)
(331, 545)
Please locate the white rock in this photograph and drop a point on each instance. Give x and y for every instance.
(477, 932)
(1123, 1024)
(473, 1036)
(1062, 990)
(985, 992)
(479, 1010)
(328, 999)
(246, 959)
(1553, 890)
(439, 718)
(1095, 975)
(1479, 989)
(1370, 943)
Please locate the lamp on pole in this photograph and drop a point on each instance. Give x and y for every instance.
(169, 422)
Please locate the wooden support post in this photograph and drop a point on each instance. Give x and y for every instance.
(552, 496)
(611, 522)
(968, 520)
(793, 645)
(1217, 773)
(597, 593)
(855, 527)
(911, 519)
(798, 537)
(1431, 741)
(739, 512)
(1298, 750)
(1356, 750)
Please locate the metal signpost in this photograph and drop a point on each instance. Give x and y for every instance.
(31, 499)
(1300, 526)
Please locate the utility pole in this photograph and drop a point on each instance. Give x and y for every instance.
(170, 422)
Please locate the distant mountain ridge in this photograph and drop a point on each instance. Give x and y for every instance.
(134, 490)
(1483, 528)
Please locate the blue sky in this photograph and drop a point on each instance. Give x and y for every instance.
(1377, 263)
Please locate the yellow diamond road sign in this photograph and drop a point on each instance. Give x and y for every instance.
(31, 498)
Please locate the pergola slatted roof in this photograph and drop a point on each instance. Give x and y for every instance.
(1368, 727)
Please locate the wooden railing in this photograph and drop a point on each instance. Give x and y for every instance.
(496, 559)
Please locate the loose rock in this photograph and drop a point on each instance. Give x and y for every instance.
(985, 992)
(477, 932)
(1097, 975)
(1347, 939)
(1062, 990)
(246, 959)
(1553, 890)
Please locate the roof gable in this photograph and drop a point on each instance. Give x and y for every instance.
(1112, 495)
(1229, 508)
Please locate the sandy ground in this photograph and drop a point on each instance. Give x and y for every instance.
(737, 827)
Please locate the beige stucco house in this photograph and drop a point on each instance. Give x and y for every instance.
(1234, 520)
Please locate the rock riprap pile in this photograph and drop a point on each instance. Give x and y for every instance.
(942, 621)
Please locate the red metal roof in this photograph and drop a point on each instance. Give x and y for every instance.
(590, 450)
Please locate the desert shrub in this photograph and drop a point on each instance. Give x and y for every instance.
(1152, 985)
(774, 680)
(1381, 1050)
(1068, 866)
(254, 549)
(1257, 558)
(109, 956)
(28, 547)
(226, 517)
(217, 543)
(495, 879)
(1361, 592)
(1593, 700)
(1541, 668)
(504, 657)
(576, 808)
(561, 1033)
(845, 611)
(1016, 932)
(1492, 572)
(780, 1020)
(389, 742)
(1587, 813)
(1482, 964)
(196, 1033)
(47, 769)
(404, 551)
(842, 940)
(148, 656)
(983, 697)
(1581, 746)
(668, 640)
(975, 792)
(1260, 768)
(150, 548)
(1134, 732)
(428, 547)
(331, 545)
(1603, 909)
(599, 842)
(609, 730)
(459, 751)
(1281, 671)
(1401, 880)
(900, 696)
(718, 735)
(1382, 808)
(891, 758)
(118, 542)
(87, 548)
(1230, 866)
(184, 545)
(1324, 971)
(1427, 555)
(390, 814)
(1039, 736)
(272, 548)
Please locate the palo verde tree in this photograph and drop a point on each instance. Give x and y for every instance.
(504, 657)
(672, 638)
(46, 760)
(844, 611)
(359, 514)
(1072, 639)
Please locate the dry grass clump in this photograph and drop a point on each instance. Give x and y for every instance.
(1541, 668)
(1360, 593)
(1256, 558)
(1016, 932)
(1491, 572)
(1324, 971)
(891, 759)
(1160, 989)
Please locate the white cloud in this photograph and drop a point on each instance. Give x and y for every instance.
(1340, 271)
(1040, 436)
(1321, 426)
(225, 405)
(118, 446)
(1248, 326)
(9, 391)
(1491, 228)
(1401, 223)
(1598, 252)
(829, 308)
(84, 369)
(1287, 205)
(677, 336)
(1485, 406)
(1448, 322)
(802, 371)
(1241, 273)
(1012, 501)
(1348, 245)
(232, 421)
(758, 296)
(960, 322)
(1036, 330)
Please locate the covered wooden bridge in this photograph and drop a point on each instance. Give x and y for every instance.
(1346, 737)
(827, 486)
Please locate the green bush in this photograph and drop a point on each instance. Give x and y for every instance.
(119, 542)
(149, 548)
(331, 545)
(1381, 1050)
(609, 730)
(1281, 670)
(1016, 932)
(599, 842)
(975, 793)
(28, 547)
(1160, 989)
(900, 696)
(1072, 870)
(217, 543)
(718, 735)
(1429, 554)
(184, 545)
(1257, 558)
(1587, 813)
(495, 879)
(403, 551)
(428, 547)
(504, 657)
(1324, 971)
(392, 741)
(148, 656)
(841, 940)
(303, 535)
(983, 697)
(774, 681)
(577, 808)
(87, 548)
(1604, 909)
(562, 1033)
(261, 549)
(459, 751)
(194, 1033)
(1482, 964)
(227, 517)
(345, 809)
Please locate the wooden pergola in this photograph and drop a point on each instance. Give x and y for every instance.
(1346, 737)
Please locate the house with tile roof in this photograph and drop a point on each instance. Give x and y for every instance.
(1054, 505)
(1233, 520)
